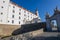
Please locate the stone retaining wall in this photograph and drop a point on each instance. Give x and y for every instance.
(6, 30)
(25, 36)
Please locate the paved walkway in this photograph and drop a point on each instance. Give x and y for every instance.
(48, 36)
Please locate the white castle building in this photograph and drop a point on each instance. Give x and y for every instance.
(11, 13)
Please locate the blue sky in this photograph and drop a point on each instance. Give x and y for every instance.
(42, 5)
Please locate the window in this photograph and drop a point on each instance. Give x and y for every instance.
(28, 13)
(13, 6)
(12, 16)
(24, 11)
(19, 9)
(23, 20)
(19, 22)
(19, 13)
(8, 21)
(31, 17)
(28, 16)
(9, 5)
(2, 7)
(1, 13)
(12, 21)
(19, 17)
(1, 20)
(13, 11)
(31, 14)
(3, 1)
(24, 14)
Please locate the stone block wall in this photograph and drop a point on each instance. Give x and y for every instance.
(25, 36)
(6, 29)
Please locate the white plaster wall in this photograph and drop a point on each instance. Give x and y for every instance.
(4, 10)
(8, 12)
(16, 14)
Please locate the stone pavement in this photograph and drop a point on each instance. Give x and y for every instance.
(48, 36)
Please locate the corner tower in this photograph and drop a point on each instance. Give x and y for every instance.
(36, 12)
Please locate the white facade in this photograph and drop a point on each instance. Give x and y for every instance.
(11, 13)
(4, 4)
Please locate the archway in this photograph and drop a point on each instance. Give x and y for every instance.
(54, 25)
(53, 20)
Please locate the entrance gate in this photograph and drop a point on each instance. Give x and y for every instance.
(56, 17)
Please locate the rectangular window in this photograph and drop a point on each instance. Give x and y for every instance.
(12, 21)
(19, 13)
(8, 21)
(28, 16)
(13, 6)
(13, 11)
(2, 7)
(19, 9)
(24, 11)
(23, 20)
(12, 16)
(31, 17)
(19, 17)
(24, 14)
(1, 13)
(3, 1)
(19, 22)
(1, 20)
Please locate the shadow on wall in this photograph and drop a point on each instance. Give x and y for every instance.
(29, 27)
